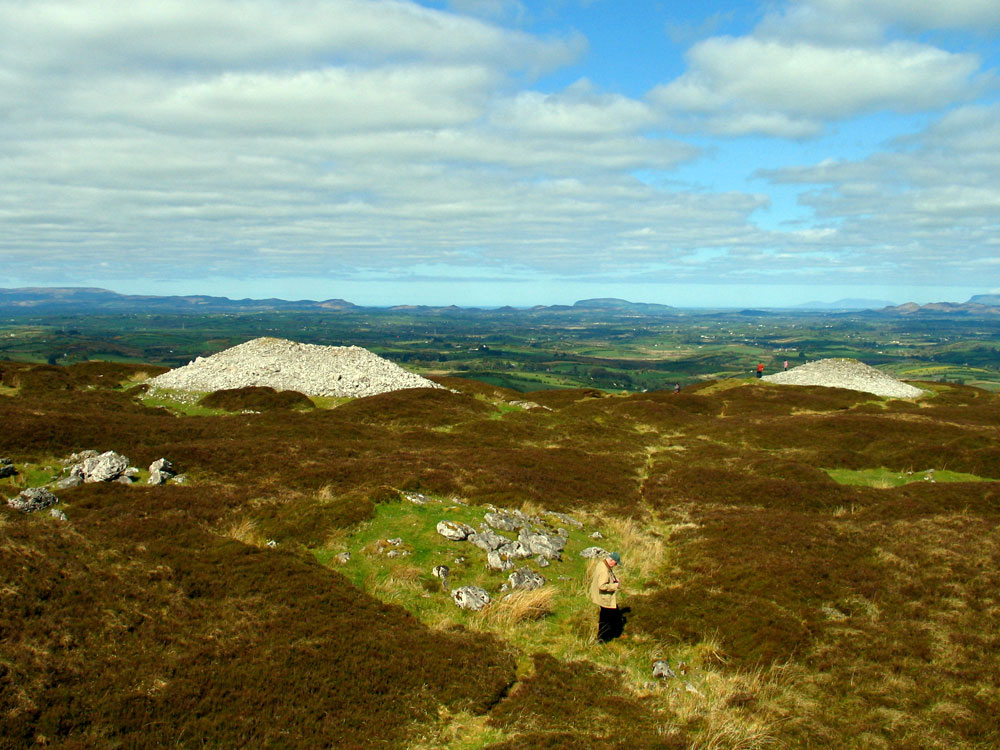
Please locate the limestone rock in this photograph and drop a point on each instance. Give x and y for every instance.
(563, 518)
(32, 499)
(515, 550)
(525, 578)
(342, 558)
(161, 471)
(471, 597)
(488, 540)
(595, 552)
(506, 521)
(496, 560)
(7, 468)
(454, 530)
(545, 545)
(662, 670)
(57, 514)
(106, 467)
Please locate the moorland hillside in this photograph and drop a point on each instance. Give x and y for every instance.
(819, 566)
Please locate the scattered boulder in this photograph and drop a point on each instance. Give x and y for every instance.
(58, 514)
(544, 545)
(662, 670)
(441, 571)
(542, 562)
(597, 535)
(496, 560)
(455, 531)
(563, 518)
(7, 468)
(525, 578)
(75, 479)
(417, 499)
(517, 550)
(471, 597)
(79, 458)
(394, 553)
(105, 467)
(506, 521)
(161, 471)
(342, 558)
(488, 540)
(595, 553)
(32, 499)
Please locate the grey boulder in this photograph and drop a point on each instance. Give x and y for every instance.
(106, 467)
(32, 499)
(546, 545)
(488, 540)
(7, 468)
(595, 552)
(471, 597)
(160, 471)
(662, 670)
(506, 521)
(455, 531)
(525, 578)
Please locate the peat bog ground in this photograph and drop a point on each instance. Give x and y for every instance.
(798, 610)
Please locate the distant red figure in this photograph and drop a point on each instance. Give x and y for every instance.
(786, 364)
(677, 387)
(760, 370)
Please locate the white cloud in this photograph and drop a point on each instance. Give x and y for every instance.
(578, 111)
(930, 209)
(181, 34)
(790, 87)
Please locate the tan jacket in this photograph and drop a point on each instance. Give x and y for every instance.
(603, 586)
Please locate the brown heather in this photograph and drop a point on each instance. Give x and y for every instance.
(836, 616)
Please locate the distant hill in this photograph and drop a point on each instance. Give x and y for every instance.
(947, 308)
(845, 304)
(621, 305)
(40, 300)
(985, 299)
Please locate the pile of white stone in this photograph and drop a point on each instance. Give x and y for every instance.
(341, 371)
(845, 373)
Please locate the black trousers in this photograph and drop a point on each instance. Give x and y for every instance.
(610, 624)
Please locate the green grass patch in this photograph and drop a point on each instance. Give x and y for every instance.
(883, 478)
(182, 403)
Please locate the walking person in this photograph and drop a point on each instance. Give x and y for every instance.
(760, 370)
(604, 585)
(786, 365)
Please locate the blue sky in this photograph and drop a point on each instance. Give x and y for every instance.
(503, 151)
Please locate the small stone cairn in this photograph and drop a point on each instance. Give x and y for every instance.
(537, 537)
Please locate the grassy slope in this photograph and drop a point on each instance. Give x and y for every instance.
(811, 612)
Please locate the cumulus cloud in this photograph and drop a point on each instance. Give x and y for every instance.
(929, 207)
(820, 60)
(580, 110)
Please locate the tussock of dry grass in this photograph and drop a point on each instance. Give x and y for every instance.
(515, 608)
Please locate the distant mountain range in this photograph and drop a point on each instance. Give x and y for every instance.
(86, 300)
(845, 305)
(91, 300)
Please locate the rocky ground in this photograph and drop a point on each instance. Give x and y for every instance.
(845, 373)
(340, 371)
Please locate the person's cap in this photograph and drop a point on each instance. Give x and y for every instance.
(616, 557)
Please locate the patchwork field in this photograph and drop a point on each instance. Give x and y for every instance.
(820, 568)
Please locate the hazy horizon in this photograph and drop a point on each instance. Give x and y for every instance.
(491, 152)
